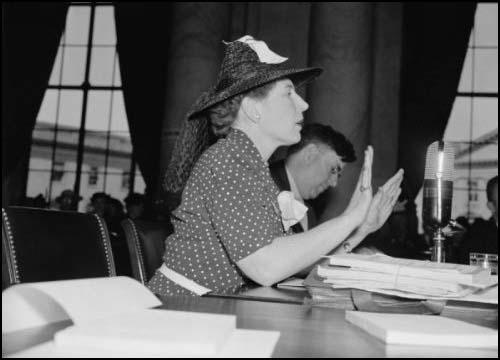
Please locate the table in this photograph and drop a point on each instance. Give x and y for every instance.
(305, 331)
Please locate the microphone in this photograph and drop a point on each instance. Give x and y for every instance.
(438, 193)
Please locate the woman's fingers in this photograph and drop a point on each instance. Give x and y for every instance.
(367, 168)
(394, 181)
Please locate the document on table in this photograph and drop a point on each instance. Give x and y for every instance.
(36, 304)
(112, 317)
(429, 330)
(379, 263)
(240, 344)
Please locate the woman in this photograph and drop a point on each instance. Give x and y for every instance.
(229, 225)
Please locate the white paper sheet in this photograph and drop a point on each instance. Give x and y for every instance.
(154, 332)
(241, 344)
(487, 296)
(35, 304)
(428, 330)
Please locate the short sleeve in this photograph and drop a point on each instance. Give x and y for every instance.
(242, 211)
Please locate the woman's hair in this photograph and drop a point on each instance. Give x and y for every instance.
(223, 115)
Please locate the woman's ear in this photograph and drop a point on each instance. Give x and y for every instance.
(251, 108)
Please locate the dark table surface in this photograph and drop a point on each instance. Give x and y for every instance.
(305, 331)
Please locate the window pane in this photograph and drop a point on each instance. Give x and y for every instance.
(70, 110)
(38, 180)
(119, 152)
(114, 185)
(48, 109)
(73, 66)
(476, 156)
(466, 77)
(117, 81)
(104, 26)
(458, 128)
(486, 70)
(119, 123)
(485, 116)
(486, 24)
(101, 66)
(77, 25)
(94, 154)
(55, 76)
(98, 107)
(139, 185)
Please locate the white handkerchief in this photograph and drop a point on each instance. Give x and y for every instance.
(263, 52)
(292, 210)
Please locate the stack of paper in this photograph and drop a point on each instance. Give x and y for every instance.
(429, 330)
(404, 277)
(112, 318)
(326, 295)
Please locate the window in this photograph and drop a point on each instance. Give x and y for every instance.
(125, 180)
(93, 176)
(58, 171)
(94, 140)
(473, 123)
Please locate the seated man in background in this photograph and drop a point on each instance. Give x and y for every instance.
(482, 237)
(135, 205)
(67, 200)
(312, 166)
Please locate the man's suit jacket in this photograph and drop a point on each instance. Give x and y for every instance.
(279, 175)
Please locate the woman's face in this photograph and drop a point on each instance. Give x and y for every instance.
(281, 111)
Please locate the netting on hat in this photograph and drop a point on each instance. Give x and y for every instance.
(192, 141)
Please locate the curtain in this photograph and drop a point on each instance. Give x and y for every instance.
(435, 38)
(30, 37)
(390, 73)
(142, 31)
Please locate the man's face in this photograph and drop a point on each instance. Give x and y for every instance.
(324, 168)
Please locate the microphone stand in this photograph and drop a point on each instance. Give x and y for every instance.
(438, 251)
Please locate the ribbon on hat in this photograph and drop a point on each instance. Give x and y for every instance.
(262, 50)
(292, 210)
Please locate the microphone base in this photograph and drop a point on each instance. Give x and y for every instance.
(438, 250)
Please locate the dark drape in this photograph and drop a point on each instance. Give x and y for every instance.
(142, 43)
(30, 37)
(435, 38)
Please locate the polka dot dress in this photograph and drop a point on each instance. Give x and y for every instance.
(229, 210)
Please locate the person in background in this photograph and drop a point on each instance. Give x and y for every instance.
(135, 204)
(482, 236)
(230, 225)
(99, 204)
(67, 201)
(311, 166)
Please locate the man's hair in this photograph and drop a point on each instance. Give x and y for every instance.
(324, 134)
(490, 186)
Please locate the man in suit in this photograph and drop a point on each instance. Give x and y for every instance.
(482, 237)
(312, 165)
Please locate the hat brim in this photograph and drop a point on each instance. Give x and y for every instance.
(212, 97)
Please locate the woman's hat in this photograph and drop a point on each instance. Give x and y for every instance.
(248, 64)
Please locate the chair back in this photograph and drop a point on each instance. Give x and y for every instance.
(48, 245)
(146, 244)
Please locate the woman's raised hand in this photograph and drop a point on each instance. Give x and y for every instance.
(362, 196)
(382, 204)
